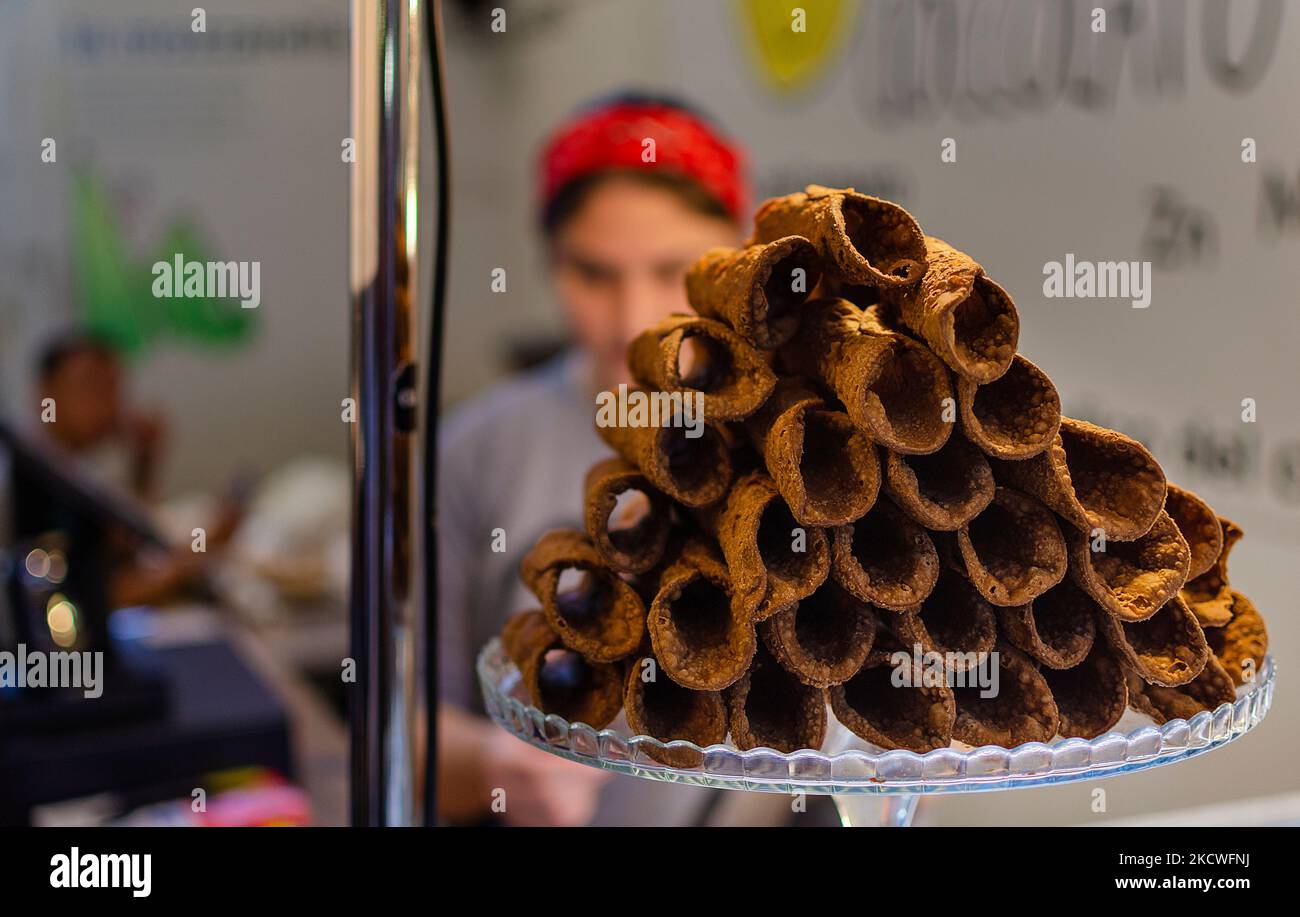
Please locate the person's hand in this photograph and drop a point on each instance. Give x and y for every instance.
(540, 788)
(146, 432)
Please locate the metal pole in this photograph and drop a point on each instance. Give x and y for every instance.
(384, 250)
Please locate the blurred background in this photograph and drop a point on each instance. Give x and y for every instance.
(225, 145)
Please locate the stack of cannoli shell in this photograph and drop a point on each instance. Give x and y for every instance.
(878, 478)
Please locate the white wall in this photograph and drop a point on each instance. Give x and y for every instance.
(247, 143)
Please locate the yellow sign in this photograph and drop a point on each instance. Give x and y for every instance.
(794, 41)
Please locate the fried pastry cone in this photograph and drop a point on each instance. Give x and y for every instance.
(1207, 691)
(1057, 629)
(1199, 526)
(891, 386)
(689, 354)
(1095, 478)
(1013, 552)
(699, 637)
(909, 408)
(915, 715)
(1023, 709)
(862, 239)
(599, 614)
(1090, 696)
(557, 679)
(659, 707)
(1132, 580)
(693, 470)
(824, 639)
(824, 466)
(1209, 596)
(1016, 416)
(626, 518)
(966, 318)
(944, 490)
(1167, 649)
(885, 558)
(773, 560)
(1242, 643)
(757, 290)
(954, 621)
(769, 707)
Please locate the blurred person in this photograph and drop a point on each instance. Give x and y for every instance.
(620, 234)
(84, 413)
(82, 378)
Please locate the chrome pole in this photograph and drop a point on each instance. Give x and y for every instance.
(385, 703)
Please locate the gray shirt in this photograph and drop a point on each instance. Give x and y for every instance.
(514, 459)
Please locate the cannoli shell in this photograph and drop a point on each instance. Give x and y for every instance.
(1242, 643)
(605, 619)
(770, 708)
(824, 639)
(568, 686)
(661, 708)
(754, 289)
(636, 548)
(699, 638)
(1209, 596)
(1023, 710)
(1013, 552)
(757, 533)
(916, 716)
(1199, 526)
(954, 620)
(825, 467)
(695, 471)
(885, 558)
(966, 318)
(1090, 696)
(1207, 691)
(909, 405)
(1132, 580)
(734, 377)
(942, 491)
(1167, 649)
(1014, 417)
(1095, 478)
(861, 239)
(892, 387)
(1057, 629)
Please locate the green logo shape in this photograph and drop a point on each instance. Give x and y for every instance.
(116, 291)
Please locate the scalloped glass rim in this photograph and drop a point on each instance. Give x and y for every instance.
(858, 770)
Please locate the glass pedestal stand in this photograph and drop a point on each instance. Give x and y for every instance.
(869, 786)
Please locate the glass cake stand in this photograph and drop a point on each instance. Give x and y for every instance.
(870, 786)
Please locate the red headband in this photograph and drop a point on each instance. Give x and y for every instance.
(614, 137)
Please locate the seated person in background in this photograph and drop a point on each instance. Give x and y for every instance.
(82, 411)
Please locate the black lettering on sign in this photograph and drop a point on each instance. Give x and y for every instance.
(1284, 474)
(1177, 233)
(1244, 73)
(1279, 203)
(1219, 454)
